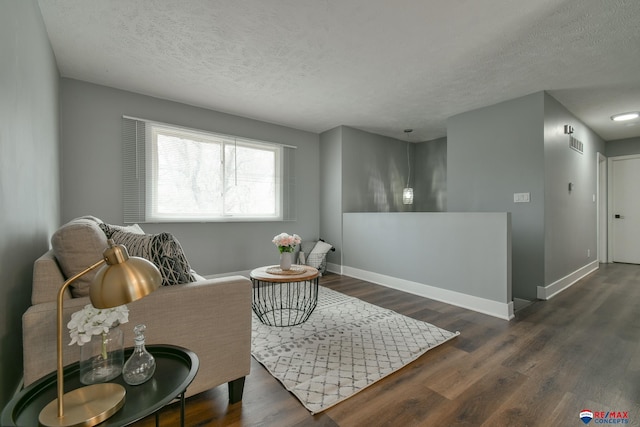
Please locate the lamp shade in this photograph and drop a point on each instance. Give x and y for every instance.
(122, 279)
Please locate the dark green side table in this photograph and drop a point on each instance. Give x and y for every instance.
(176, 367)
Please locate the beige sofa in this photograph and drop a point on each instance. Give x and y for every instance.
(210, 317)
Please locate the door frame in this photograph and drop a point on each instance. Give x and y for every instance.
(610, 162)
(602, 208)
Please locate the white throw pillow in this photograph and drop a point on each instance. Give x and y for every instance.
(317, 254)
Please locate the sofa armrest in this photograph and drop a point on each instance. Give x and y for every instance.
(47, 279)
(211, 318)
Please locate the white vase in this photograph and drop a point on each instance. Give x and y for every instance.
(285, 261)
(101, 359)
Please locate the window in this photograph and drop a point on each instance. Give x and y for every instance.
(177, 174)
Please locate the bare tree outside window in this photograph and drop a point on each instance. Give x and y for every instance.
(250, 181)
(204, 176)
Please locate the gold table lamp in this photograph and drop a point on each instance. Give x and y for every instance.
(120, 280)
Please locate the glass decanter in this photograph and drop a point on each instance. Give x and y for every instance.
(141, 365)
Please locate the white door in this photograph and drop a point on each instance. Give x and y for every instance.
(626, 209)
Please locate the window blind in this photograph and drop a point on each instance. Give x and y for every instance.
(134, 170)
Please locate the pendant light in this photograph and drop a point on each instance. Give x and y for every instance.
(407, 192)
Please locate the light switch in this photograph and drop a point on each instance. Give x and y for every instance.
(521, 197)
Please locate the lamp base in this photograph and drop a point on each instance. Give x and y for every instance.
(85, 406)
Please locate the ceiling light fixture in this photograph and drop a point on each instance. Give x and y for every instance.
(623, 117)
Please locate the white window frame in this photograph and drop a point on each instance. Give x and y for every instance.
(140, 193)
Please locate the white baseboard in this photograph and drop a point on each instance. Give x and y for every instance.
(334, 268)
(549, 291)
(481, 305)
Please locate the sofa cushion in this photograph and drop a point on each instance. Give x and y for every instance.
(163, 250)
(77, 245)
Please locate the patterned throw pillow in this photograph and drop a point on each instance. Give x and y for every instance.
(109, 229)
(163, 250)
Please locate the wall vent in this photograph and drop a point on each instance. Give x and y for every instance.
(576, 144)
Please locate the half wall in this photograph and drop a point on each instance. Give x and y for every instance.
(462, 259)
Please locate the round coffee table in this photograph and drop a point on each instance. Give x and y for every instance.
(284, 298)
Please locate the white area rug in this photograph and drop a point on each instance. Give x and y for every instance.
(344, 347)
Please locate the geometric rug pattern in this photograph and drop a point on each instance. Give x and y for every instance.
(345, 346)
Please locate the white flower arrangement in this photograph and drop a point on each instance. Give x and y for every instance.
(92, 321)
(285, 242)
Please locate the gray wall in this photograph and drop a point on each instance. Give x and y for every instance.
(29, 183)
(520, 146)
(331, 191)
(481, 239)
(570, 217)
(365, 172)
(92, 168)
(430, 188)
(623, 147)
(374, 172)
(492, 153)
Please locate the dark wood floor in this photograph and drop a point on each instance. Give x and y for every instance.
(578, 350)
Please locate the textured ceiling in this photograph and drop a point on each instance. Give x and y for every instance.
(377, 65)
